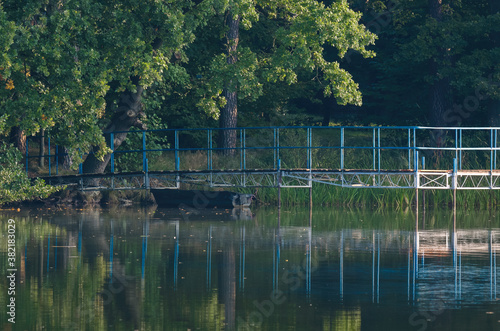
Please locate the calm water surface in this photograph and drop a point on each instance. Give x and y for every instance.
(329, 269)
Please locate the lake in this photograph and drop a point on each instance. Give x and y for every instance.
(259, 269)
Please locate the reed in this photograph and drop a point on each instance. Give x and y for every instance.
(326, 195)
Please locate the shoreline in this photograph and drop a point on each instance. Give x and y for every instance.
(321, 196)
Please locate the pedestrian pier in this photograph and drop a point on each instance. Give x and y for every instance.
(458, 158)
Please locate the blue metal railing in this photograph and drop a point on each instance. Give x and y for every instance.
(378, 148)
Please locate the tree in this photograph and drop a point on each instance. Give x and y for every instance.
(299, 32)
(77, 68)
(494, 105)
(15, 186)
(440, 98)
(444, 50)
(228, 118)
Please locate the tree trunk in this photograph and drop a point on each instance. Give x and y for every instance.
(440, 100)
(41, 154)
(228, 118)
(494, 104)
(440, 94)
(67, 160)
(18, 138)
(328, 106)
(127, 115)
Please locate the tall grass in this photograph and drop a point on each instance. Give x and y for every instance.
(326, 195)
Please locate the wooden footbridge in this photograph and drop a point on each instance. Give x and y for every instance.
(460, 158)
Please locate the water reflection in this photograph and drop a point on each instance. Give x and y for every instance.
(277, 269)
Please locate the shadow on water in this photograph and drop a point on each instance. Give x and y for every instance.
(260, 269)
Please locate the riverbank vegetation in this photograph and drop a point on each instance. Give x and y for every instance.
(400, 199)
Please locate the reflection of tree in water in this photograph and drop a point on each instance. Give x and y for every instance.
(120, 293)
(227, 284)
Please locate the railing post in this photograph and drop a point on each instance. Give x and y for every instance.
(244, 149)
(176, 143)
(495, 146)
(417, 176)
(373, 149)
(460, 159)
(279, 183)
(308, 132)
(414, 146)
(409, 149)
(275, 165)
(146, 176)
(57, 160)
(278, 146)
(309, 155)
(378, 138)
(144, 166)
(454, 183)
(491, 149)
(112, 145)
(342, 148)
(241, 149)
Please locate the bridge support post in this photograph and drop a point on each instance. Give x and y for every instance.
(416, 200)
(279, 184)
(423, 191)
(146, 176)
(310, 190)
(454, 183)
(112, 160)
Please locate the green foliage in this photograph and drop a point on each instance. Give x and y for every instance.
(64, 63)
(462, 46)
(15, 186)
(282, 43)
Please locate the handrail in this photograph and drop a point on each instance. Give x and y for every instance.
(344, 141)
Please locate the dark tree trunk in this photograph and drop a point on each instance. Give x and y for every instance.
(128, 114)
(229, 115)
(494, 105)
(326, 115)
(41, 154)
(440, 100)
(66, 157)
(18, 138)
(440, 93)
(327, 107)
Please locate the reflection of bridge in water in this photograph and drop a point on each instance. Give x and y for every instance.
(454, 266)
(297, 157)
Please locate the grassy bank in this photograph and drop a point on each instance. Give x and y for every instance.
(326, 195)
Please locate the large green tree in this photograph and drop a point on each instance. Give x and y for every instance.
(78, 68)
(258, 55)
(268, 43)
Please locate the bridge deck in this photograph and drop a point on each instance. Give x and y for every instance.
(291, 178)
